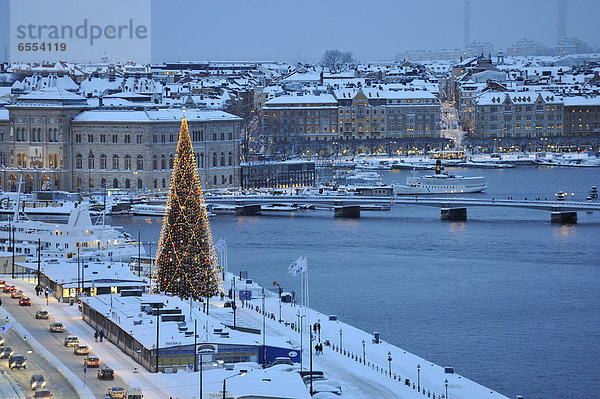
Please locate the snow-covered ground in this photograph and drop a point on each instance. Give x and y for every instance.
(358, 380)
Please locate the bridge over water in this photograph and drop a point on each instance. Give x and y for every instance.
(451, 208)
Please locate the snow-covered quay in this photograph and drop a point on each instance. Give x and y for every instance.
(354, 360)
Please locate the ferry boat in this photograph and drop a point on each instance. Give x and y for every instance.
(440, 183)
(59, 240)
(153, 210)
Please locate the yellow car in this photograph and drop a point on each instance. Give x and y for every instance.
(81, 349)
(57, 327)
(116, 393)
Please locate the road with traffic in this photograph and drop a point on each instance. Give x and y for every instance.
(54, 343)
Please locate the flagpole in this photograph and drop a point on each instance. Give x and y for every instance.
(307, 297)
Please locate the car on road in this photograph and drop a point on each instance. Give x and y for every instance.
(57, 327)
(25, 301)
(45, 394)
(37, 381)
(16, 294)
(8, 288)
(17, 361)
(2, 283)
(41, 314)
(106, 373)
(6, 352)
(116, 392)
(1, 339)
(71, 340)
(92, 361)
(134, 393)
(81, 349)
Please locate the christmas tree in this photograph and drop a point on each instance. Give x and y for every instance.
(186, 262)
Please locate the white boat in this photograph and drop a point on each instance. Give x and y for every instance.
(440, 183)
(486, 164)
(52, 208)
(570, 163)
(152, 210)
(59, 240)
(148, 210)
(373, 164)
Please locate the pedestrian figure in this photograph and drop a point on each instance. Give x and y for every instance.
(0, 302)
(317, 349)
(96, 336)
(101, 335)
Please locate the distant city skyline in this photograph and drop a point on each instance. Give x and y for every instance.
(302, 30)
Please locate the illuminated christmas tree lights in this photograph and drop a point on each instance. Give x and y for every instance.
(186, 260)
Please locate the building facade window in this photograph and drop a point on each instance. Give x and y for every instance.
(78, 161)
(115, 162)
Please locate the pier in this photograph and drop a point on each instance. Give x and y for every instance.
(451, 208)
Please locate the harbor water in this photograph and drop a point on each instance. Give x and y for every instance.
(507, 298)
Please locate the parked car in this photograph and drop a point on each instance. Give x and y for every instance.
(116, 392)
(325, 386)
(41, 314)
(81, 349)
(16, 294)
(17, 361)
(92, 361)
(281, 360)
(106, 373)
(134, 393)
(45, 394)
(25, 301)
(6, 352)
(71, 340)
(57, 327)
(37, 381)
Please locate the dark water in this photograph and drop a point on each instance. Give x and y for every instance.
(507, 298)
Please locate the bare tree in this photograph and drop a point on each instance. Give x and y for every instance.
(336, 60)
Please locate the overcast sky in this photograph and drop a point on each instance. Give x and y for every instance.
(301, 30)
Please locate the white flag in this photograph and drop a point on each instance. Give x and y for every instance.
(221, 244)
(298, 267)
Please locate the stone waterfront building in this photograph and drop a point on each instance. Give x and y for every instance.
(58, 143)
(519, 114)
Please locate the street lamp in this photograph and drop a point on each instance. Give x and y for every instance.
(446, 383)
(364, 355)
(390, 363)
(418, 377)
(340, 340)
(242, 372)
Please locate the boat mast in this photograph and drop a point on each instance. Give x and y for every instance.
(18, 203)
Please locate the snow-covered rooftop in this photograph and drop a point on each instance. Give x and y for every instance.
(148, 116)
(581, 101)
(101, 273)
(325, 99)
(127, 312)
(52, 93)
